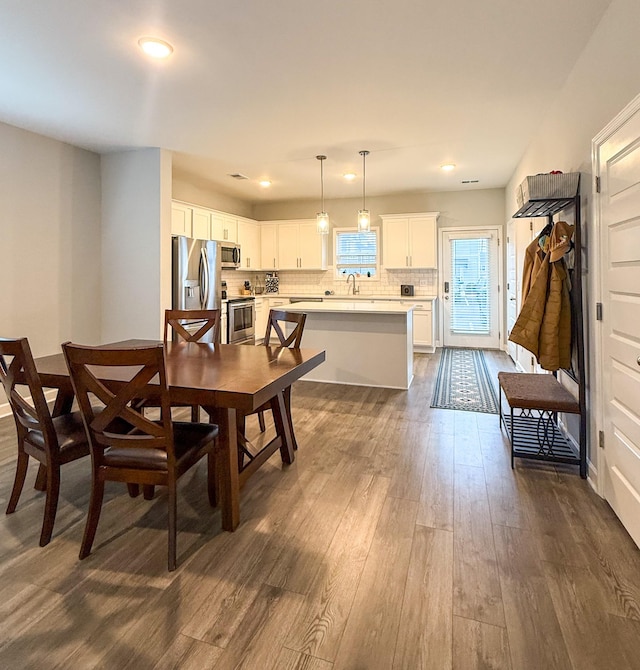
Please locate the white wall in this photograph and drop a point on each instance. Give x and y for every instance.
(604, 80)
(136, 237)
(50, 241)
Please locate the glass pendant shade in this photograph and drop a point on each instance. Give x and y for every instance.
(364, 219)
(322, 218)
(322, 223)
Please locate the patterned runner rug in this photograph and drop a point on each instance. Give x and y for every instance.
(463, 382)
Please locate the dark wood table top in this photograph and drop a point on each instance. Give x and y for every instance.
(224, 375)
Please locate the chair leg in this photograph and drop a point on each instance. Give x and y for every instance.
(148, 491)
(95, 507)
(51, 504)
(18, 482)
(261, 422)
(173, 512)
(211, 478)
(195, 413)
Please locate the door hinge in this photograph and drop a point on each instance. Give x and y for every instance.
(601, 439)
(597, 184)
(598, 311)
(531, 226)
(508, 240)
(531, 361)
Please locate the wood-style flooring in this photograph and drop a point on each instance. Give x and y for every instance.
(399, 539)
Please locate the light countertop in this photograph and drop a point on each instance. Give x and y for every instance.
(336, 307)
(353, 298)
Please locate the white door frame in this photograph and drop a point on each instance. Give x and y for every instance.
(595, 290)
(498, 230)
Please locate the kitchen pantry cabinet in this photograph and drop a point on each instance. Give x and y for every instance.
(300, 247)
(269, 245)
(410, 240)
(249, 241)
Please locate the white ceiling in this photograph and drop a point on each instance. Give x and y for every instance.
(262, 87)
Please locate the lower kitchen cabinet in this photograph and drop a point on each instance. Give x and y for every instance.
(262, 313)
(223, 324)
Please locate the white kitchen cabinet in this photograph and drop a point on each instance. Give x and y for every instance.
(410, 240)
(262, 313)
(300, 247)
(224, 227)
(223, 324)
(201, 223)
(180, 219)
(249, 241)
(269, 245)
(423, 325)
(277, 303)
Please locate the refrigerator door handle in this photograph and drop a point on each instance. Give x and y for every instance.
(204, 282)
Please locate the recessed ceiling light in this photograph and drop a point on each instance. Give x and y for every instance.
(350, 176)
(155, 48)
(265, 183)
(447, 167)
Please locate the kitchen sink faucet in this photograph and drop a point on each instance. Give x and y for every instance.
(355, 288)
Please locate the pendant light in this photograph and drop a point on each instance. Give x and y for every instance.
(322, 218)
(364, 219)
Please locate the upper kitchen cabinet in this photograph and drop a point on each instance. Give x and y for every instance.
(249, 241)
(180, 219)
(201, 224)
(410, 240)
(269, 245)
(224, 227)
(300, 247)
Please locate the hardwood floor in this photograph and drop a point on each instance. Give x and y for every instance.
(399, 539)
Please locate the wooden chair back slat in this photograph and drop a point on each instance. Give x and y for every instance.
(175, 318)
(18, 374)
(117, 424)
(275, 322)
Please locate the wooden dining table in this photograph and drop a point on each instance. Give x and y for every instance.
(228, 381)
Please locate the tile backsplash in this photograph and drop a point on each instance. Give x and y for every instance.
(425, 282)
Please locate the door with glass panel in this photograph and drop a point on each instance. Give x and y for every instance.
(470, 289)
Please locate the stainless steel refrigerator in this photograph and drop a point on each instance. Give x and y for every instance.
(196, 275)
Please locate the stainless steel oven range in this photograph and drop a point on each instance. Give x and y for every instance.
(241, 318)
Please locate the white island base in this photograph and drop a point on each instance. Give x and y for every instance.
(366, 344)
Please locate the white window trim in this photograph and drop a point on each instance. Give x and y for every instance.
(336, 271)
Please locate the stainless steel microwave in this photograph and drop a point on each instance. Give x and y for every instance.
(229, 255)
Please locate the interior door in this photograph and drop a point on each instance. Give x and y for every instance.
(471, 289)
(512, 291)
(619, 202)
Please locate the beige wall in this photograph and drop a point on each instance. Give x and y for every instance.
(136, 234)
(457, 208)
(197, 192)
(50, 223)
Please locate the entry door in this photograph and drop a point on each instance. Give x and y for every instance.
(619, 170)
(471, 289)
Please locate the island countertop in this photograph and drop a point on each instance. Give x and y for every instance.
(337, 307)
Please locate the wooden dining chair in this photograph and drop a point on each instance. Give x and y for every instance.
(50, 441)
(125, 445)
(277, 330)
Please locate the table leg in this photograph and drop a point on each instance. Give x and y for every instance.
(227, 479)
(283, 428)
(287, 404)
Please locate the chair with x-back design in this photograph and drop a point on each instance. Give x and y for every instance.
(125, 445)
(50, 441)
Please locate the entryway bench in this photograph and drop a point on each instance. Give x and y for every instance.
(534, 401)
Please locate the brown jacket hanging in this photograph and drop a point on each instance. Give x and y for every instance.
(544, 324)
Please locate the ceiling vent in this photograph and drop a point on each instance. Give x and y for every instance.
(469, 181)
(238, 175)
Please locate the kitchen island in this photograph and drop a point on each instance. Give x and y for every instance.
(366, 344)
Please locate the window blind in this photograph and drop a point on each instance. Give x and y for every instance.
(470, 296)
(357, 252)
